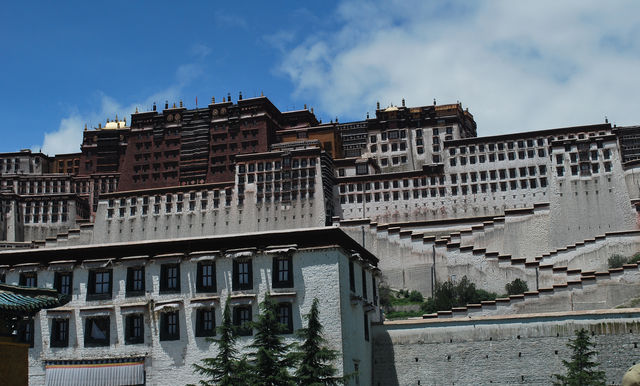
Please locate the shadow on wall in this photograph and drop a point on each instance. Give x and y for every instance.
(384, 369)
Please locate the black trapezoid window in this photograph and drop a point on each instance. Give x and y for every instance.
(135, 281)
(205, 322)
(97, 331)
(206, 278)
(242, 320)
(59, 332)
(242, 275)
(63, 282)
(282, 272)
(285, 317)
(170, 278)
(100, 284)
(170, 326)
(134, 329)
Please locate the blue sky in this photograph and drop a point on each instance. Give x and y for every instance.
(516, 66)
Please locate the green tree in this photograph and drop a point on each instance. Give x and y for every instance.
(312, 356)
(226, 368)
(581, 370)
(271, 359)
(416, 297)
(385, 296)
(517, 286)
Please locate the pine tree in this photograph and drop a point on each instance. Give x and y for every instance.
(271, 359)
(225, 369)
(313, 357)
(581, 369)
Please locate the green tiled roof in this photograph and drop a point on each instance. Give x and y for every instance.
(28, 300)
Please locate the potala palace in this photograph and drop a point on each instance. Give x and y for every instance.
(162, 218)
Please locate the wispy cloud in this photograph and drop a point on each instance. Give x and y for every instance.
(518, 66)
(281, 39)
(227, 19)
(200, 50)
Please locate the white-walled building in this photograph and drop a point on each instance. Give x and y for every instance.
(143, 310)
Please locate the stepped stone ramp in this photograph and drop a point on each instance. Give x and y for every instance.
(590, 291)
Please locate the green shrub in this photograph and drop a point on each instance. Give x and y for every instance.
(635, 259)
(386, 296)
(616, 261)
(416, 297)
(402, 314)
(516, 287)
(448, 295)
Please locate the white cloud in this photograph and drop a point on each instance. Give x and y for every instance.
(516, 65)
(68, 137)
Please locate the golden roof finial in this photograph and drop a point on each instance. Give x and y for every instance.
(85, 127)
(136, 110)
(213, 100)
(261, 94)
(180, 102)
(174, 105)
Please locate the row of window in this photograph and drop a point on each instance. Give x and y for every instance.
(43, 186)
(395, 146)
(584, 169)
(276, 165)
(395, 134)
(532, 183)
(525, 171)
(520, 144)
(251, 178)
(591, 155)
(168, 207)
(97, 330)
(45, 218)
(491, 157)
(100, 283)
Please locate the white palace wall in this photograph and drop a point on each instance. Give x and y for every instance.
(523, 349)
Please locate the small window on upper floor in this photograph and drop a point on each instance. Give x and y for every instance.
(242, 274)
(100, 284)
(170, 278)
(63, 282)
(135, 281)
(29, 279)
(206, 277)
(282, 273)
